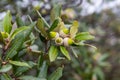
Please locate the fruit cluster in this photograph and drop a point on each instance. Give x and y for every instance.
(62, 37)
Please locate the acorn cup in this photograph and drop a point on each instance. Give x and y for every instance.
(64, 32)
(68, 41)
(59, 41)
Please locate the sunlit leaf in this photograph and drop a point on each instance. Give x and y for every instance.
(40, 26)
(65, 52)
(84, 36)
(74, 29)
(18, 30)
(19, 63)
(53, 52)
(7, 22)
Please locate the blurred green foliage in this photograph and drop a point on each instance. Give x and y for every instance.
(90, 62)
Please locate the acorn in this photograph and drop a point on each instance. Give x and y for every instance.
(4, 34)
(54, 35)
(59, 41)
(67, 41)
(64, 32)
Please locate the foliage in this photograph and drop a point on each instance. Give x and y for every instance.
(20, 60)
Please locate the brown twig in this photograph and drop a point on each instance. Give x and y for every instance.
(6, 47)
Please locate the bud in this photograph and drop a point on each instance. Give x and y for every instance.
(4, 34)
(64, 32)
(59, 41)
(54, 35)
(67, 41)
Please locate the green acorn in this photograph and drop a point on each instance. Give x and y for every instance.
(54, 35)
(59, 41)
(67, 41)
(64, 32)
(4, 34)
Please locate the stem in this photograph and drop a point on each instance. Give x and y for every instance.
(5, 47)
(46, 47)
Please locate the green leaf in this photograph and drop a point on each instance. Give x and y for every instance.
(29, 30)
(81, 43)
(60, 26)
(1, 26)
(20, 70)
(18, 30)
(42, 38)
(41, 27)
(56, 74)
(91, 46)
(84, 36)
(14, 27)
(104, 64)
(103, 57)
(1, 38)
(44, 21)
(5, 77)
(30, 78)
(54, 25)
(53, 52)
(7, 22)
(74, 29)
(94, 77)
(17, 43)
(40, 61)
(65, 52)
(55, 12)
(43, 70)
(18, 63)
(75, 51)
(19, 21)
(6, 68)
(98, 71)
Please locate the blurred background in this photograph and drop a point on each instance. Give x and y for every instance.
(100, 17)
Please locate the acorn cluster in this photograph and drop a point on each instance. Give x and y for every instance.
(62, 37)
